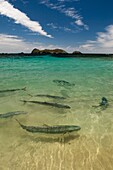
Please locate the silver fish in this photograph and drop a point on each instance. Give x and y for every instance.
(11, 114)
(48, 104)
(12, 90)
(50, 129)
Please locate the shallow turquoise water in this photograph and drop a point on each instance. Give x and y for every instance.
(93, 79)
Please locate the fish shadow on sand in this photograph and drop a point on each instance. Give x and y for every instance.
(66, 138)
(64, 83)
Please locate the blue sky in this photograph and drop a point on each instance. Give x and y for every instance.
(82, 25)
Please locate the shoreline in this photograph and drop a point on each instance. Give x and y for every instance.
(60, 53)
(67, 55)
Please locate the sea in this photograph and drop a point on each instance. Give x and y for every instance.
(82, 82)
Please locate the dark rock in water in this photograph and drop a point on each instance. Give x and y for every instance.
(63, 83)
(11, 114)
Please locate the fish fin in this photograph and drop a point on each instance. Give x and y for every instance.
(30, 95)
(64, 133)
(46, 125)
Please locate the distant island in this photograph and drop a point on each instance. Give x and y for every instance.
(54, 53)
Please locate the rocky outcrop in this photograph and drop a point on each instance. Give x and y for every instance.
(47, 51)
(35, 51)
(58, 51)
(76, 52)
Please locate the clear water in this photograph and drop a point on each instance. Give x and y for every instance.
(89, 149)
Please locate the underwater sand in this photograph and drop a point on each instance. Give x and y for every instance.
(91, 148)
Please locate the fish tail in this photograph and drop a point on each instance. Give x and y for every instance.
(24, 101)
(20, 124)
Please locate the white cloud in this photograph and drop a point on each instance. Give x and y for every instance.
(102, 44)
(56, 27)
(105, 39)
(20, 18)
(12, 43)
(15, 44)
(70, 12)
(80, 23)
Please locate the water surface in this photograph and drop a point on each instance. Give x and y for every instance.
(89, 149)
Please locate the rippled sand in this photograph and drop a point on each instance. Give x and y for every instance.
(77, 152)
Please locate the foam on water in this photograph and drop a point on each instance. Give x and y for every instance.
(91, 147)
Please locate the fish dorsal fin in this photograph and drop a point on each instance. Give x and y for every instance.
(46, 125)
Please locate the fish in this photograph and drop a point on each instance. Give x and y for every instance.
(12, 90)
(103, 103)
(49, 96)
(48, 104)
(11, 114)
(63, 83)
(59, 129)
